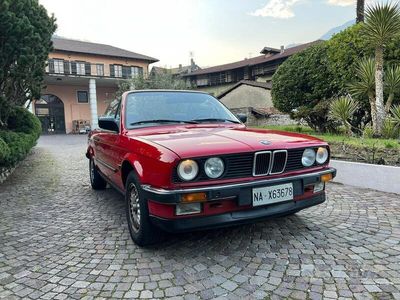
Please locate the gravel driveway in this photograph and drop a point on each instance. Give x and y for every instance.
(59, 239)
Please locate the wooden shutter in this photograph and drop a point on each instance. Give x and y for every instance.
(66, 67)
(126, 72)
(51, 65)
(87, 68)
(73, 67)
(112, 73)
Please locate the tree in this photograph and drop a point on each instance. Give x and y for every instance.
(25, 42)
(392, 85)
(302, 80)
(382, 24)
(158, 81)
(360, 10)
(365, 85)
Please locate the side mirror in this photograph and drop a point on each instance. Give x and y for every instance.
(242, 117)
(108, 123)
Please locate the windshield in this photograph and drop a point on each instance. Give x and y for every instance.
(154, 108)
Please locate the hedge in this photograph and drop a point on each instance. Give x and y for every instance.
(19, 137)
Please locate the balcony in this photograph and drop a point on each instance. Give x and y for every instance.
(87, 69)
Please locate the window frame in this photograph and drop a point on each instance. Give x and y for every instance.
(80, 65)
(101, 67)
(58, 65)
(87, 97)
(117, 74)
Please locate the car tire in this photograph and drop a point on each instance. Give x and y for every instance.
(96, 181)
(142, 231)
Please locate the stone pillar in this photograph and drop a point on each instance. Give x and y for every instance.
(93, 103)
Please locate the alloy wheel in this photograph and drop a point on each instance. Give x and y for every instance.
(134, 207)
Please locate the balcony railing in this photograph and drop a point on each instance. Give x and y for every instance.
(82, 68)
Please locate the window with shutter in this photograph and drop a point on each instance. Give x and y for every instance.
(112, 73)
(126, 72)
(80, 68)
(88, 69)
(58, 66)
(67, 67)
(100, 70)
(73, 67)
(51, 65)
(118, 70)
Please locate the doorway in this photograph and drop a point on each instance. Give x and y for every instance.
(50, 111)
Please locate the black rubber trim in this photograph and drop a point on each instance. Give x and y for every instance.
(236, 218)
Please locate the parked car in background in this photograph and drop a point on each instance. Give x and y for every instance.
(184, 162)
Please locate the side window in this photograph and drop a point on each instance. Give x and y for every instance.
(112, 109)
(118, 112)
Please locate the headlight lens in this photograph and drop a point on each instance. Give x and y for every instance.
(214, 167)
(308, 158)
(322, 155)
(188, 169)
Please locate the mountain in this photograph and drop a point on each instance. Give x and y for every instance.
(338, 29)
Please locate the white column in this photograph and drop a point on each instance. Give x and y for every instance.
(93, 103)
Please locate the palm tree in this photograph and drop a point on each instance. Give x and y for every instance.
(365, 85)
(382, 23)
(392, 85)
(360, 10)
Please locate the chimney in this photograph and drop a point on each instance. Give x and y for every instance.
(282, 49)
(180, 66)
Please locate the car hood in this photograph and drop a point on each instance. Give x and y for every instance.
(197, 141)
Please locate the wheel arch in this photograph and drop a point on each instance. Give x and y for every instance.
(126, 167)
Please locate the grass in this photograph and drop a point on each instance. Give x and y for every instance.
(359, 142)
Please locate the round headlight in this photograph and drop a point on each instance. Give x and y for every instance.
(214, 167)
(188, 169)
(322, 155)
(308, 158)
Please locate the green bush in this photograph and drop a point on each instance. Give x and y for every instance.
(368, 132)
(21, 120)
(4, 152)
(389, 129)
(317, 117)
(18, 139)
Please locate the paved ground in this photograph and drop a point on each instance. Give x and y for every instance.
(59, 239)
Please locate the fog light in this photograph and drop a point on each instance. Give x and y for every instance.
(188, 209)
(319, 187)
(194, 197)
(326, 177)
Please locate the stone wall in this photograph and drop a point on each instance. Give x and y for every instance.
(5, 172)
(248, 96)
(253, 120)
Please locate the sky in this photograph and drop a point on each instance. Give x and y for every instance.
(212, 31)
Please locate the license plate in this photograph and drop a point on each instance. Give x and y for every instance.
(272, 194)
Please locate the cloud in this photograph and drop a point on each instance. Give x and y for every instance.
(280, 9)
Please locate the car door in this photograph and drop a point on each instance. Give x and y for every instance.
(116, 153)
(104, 141)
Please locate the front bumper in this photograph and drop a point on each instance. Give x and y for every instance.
(241, 193)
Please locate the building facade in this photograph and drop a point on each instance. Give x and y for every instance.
(216, 80)
(176, 72)
(81, 80)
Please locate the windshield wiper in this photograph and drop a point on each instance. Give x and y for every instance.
(163, 121)
(215, 120)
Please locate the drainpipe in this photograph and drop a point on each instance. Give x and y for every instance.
(93, 103)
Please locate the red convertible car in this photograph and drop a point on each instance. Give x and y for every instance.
(184, 162)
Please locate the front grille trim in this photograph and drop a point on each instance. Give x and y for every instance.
(255, 163)
(273, 162)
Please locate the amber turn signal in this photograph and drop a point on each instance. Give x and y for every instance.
(326, 177)
(194, 197)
